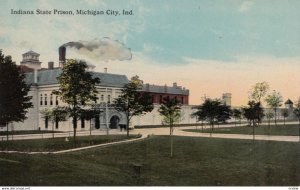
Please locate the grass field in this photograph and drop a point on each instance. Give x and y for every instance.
(288, 130)
(40, 145)
(196, 161)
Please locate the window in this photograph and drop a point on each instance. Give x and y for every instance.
(56, 100)
(182, 99)
(160, 99)
(46, 122)
(82, 122)
(102, 97)
(51, 99)
(56, 123)
(97, 122)
(41, 99)
(45, 99)
(108, 99)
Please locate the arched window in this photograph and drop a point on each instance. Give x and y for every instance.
(56, 100)
(51, 99)
(102, 98)
(45, 99)
(41, 99)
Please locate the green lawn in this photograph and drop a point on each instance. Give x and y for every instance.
(196, 161)
(288, 130)
(40, 145)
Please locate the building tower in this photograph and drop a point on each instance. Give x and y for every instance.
(31, 60)
(226, 98)
(289, 106)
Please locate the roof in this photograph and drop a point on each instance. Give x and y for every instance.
(165, 89)
(31, 52)
(288, 102)
(49, 77)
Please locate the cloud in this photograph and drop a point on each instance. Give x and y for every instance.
(104, 49)
(245, 6)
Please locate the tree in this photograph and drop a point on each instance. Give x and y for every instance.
(55, 115)
(297, 113)
(60, 114)
(200, 116)
(14, 99)
(224, 113)
(259, 90)
(132, 101)
(89, 114)
(213, 111)
(274, 101)
(237, 114)
(269, 116)
(77, 87)
(47, 115)
(253, 113)
(285, 114)
(171, 111)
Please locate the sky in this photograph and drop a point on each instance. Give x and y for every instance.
(207, 46)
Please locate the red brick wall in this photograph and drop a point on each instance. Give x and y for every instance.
(158, 97)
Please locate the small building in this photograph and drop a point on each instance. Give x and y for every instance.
(159, 93)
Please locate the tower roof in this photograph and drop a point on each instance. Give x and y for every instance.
(30, 53)
(288, 102)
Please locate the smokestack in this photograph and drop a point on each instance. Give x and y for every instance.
(62, 56)
(50, 65)
(105, 70)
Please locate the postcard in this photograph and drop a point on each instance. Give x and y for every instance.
(149, 93)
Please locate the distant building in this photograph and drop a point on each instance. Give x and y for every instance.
(226, 99)
(158, 93)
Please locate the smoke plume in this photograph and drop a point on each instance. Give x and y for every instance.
(104, 49)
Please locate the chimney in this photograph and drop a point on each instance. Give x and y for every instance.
(174, 84)
(105, 69)
(50, 65)
(62, 55)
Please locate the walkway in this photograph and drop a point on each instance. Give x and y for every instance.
(178, 131)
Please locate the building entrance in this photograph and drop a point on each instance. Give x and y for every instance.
(114, 122)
